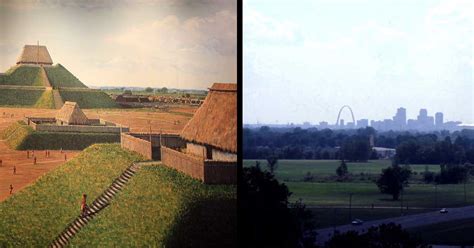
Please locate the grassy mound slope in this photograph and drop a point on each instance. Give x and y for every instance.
(59, 76)
(23, 137)
(20, 97)
(46, 100)
(163, 208)
(88, 99)
(37, 214)
(22, 75)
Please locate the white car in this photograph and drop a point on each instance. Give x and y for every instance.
(357, 222)
(443, 211)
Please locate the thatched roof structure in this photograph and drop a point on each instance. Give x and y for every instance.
(215, 122)
(71, 114)
(33, 54)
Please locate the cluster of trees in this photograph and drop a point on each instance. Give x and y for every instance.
(269, 220)
(300, 143)
(434, 151)
(385, 235)
(412, 148)
(449, 174)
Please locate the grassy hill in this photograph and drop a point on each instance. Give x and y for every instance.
(20, 97)
(88, 98)
(163, 208)
(46, 100)
(59, 76)
(19, 136)
(22, 75)
(37, 214)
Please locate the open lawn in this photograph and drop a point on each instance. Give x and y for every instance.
(295, 170)
(365, 194)
(163, 208)
(37, 214)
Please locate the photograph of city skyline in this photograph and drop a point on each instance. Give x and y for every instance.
(358, 123)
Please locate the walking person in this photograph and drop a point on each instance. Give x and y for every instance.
(1, 162)
(84, 204)
(14, 170)
(34, 160)
(11, 189)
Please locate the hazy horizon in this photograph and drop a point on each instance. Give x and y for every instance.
(304, 61)
(151, 43)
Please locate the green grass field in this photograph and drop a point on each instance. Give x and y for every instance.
(295, 170)
(22, 137)
(163, 208)
(37, 214)
(325, 192)
(88, 99)
(22, 75)
(20, 97)
(59, 76)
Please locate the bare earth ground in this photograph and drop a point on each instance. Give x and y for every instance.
(137, 120)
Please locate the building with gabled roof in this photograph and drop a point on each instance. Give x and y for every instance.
(35, 54)
(71, 114)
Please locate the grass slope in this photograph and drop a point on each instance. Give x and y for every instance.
(37, 214)
(23, 137)
(20, 97)
(59, 76)
(163, 208)
(22, 75)
(88, 99)
(46, 100)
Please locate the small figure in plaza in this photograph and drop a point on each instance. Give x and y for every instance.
(34, 160)
(11, 189)
(14, 170)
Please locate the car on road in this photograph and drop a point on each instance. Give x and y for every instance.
(443, 211)
(357, 222)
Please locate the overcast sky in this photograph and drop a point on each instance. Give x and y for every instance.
(172, 43)
(304, 60)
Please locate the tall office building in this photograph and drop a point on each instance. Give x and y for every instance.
(400, 119)
(439, 119)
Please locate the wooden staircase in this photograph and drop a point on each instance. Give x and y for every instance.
(97, 205)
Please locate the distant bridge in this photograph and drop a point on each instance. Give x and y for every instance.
(339, 115)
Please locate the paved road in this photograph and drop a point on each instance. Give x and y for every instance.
(408, 221)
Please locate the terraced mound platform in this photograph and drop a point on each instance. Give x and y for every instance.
(87, 98)
(60, 77)
(19, 136)
(153, 206)
(23, 75)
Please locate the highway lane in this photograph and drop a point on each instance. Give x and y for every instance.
(408, 221)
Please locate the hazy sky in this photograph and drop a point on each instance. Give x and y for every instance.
(305, 59)
(172, 43)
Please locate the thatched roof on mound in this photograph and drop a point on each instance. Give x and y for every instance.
(33, 54)
(215, 122)
(71, 114)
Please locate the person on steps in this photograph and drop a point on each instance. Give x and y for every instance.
(84, 205)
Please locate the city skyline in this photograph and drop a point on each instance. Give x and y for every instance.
(424, 121)
(372, 55)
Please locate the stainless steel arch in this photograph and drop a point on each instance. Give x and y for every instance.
(339, 115)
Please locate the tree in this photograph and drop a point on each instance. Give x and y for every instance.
(265, 216)
(272, 163)
(127, 92)
(393, 179)
(149, 89)
(342, 171)
(164, 90)
(384, 235)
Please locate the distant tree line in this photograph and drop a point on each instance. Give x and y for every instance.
(439, 147)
